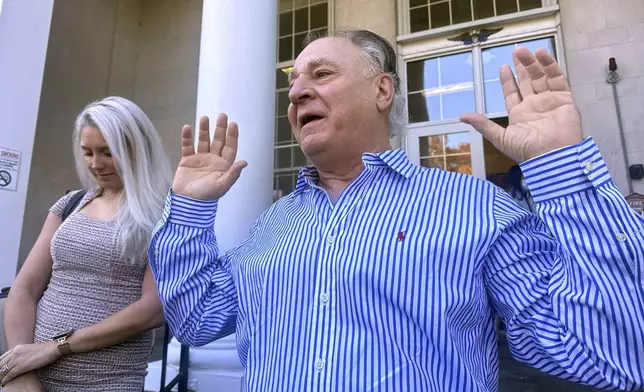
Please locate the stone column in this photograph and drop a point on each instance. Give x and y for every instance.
(236, 76)
(24, 34)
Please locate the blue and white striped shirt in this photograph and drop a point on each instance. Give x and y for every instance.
(395, 286)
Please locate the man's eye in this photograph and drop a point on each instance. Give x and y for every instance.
(322, 73)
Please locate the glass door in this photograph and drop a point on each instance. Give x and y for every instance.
(453, 147)
(442, 87)
(439, 90)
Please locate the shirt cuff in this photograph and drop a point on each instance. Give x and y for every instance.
(565, 171)
(185, 211)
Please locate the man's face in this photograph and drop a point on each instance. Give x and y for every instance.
(332, 99)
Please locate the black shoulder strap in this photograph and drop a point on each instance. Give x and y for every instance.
(72, 204)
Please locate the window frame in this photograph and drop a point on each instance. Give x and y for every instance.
(289, 64)
(539, 26)
(549, 7)
(520, 30)
(330, 25)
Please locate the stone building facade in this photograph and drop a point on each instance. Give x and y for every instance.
(166, 55)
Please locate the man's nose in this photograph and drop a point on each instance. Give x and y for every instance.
(301, 89)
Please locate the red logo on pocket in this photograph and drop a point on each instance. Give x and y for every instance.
(401, 236)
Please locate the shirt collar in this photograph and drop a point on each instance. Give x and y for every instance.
(396, 160)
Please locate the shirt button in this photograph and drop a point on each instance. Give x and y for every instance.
(319, 364)
(156, 252)
(324, 297)
(590, 166)
(621, 237)
(330, 239)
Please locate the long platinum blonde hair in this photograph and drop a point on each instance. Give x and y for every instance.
(141, 163)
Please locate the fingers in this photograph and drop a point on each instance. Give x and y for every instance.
(525, 83)
(13, 373)
(556, 79)
(5, 368)
(187, 144)
(203, 145)
(489, 129)
(4, 362)
(534, 69)
(541, 69)
(510, 89)
(232, 175)
(224, 142)
(229, 151)
(219, 140)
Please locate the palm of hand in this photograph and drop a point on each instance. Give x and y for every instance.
(210, 172)
(197, 175)
(541, 111)
(541, 123)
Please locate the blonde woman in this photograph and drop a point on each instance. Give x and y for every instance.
(80, 312)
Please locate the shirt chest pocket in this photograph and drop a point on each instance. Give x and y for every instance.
(412, 270)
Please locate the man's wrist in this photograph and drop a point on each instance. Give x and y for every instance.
(565, 171)
(186, 211)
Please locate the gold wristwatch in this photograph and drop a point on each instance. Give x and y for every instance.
(63, 344)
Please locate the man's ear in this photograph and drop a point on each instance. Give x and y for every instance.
(385, 91)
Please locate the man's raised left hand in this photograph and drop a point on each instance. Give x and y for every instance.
(542, 114)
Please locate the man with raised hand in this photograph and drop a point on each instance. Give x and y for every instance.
(378, 274)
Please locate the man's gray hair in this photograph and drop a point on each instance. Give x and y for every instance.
(379, 56)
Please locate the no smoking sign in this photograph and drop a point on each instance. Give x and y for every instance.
(9, 169)
(5, 178)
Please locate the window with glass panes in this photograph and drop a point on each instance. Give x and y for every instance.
(296, 19)
(288, 155)
(449, 152)
(441, 88)
(432, 14)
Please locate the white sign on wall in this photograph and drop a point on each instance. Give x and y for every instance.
(9, 169)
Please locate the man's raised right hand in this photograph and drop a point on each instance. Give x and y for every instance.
(210, 172)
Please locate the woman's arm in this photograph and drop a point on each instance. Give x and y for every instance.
(20, 308)
(142, 315)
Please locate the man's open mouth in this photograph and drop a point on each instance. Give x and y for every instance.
(309, 118)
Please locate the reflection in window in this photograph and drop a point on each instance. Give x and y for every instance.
(440, 88)
(432, 14)
(449, 152)
(494, 58)
(295, 20)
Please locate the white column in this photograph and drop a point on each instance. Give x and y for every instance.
(24, 34)
(236, 76)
